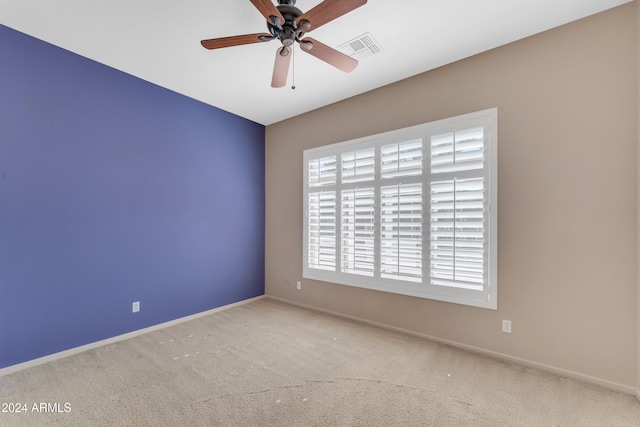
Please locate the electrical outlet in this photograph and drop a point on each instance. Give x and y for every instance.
(135, 307)
(298, 285)
(506, 326)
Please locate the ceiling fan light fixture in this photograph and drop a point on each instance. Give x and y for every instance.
(275, 21)
(284, 51)
(304, 26)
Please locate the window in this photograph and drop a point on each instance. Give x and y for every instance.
(411, 211)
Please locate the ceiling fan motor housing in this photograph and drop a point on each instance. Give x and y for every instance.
(290, 13)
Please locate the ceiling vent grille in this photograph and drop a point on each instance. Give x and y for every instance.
(361, 47)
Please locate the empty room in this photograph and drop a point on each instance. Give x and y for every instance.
(319, 213)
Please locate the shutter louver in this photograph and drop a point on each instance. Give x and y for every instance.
(358, 166)
(457, 233)
(400, 160)
(322, 231)
(457, 151)
(401, 232)
(322, 171)
(357, 231)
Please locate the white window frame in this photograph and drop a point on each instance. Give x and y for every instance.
(486, 297)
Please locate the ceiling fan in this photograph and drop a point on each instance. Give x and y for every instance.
(289, 24)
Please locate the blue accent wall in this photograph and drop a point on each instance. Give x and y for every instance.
(114, 190)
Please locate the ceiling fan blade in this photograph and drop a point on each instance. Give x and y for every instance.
(329, 10)
(268, 9)
(281, 67)
(328, 54)
(236, 40)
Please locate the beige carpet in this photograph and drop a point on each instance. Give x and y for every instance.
(270, 364)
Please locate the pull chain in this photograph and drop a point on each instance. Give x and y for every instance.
(293, 71)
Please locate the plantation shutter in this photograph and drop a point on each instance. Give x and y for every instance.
(357, 214)
(322, 230)
(401, 160)
(457, 233)
(401, 232)
(409, 211)
(458, 244)
(357, 231)
(321, 213)
(458, 151)
(322, 172)
(358, 166)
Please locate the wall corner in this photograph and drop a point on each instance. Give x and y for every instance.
(637, 5)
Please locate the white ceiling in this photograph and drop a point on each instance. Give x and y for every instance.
(159, 41)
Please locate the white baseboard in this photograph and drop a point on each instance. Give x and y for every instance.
(552, 369)
(66, 353)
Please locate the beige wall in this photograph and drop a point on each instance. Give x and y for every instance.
(567, 101)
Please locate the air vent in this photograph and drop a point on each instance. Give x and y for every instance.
(361, 47)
